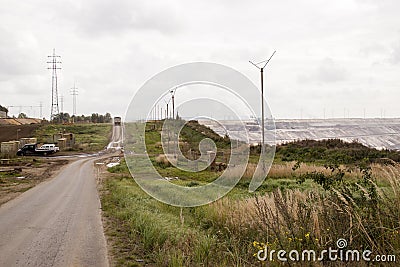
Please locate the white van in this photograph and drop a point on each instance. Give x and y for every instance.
(50, 147)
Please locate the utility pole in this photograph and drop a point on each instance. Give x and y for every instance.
(74, 93)
(62, 103)
(41, 107)
(167, 102)
(173, 102)
(262, 98)
(54, 91)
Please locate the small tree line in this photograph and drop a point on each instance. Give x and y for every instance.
(94, 118)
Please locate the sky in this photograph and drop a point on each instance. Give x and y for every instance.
(334, 58)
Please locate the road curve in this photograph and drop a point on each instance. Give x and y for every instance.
(57, 223)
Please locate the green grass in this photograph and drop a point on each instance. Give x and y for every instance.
(88, 137)
(9, 174)
(9, 179)
(222, 234)
(283, 209)
(151, 230)
(332, 151)
(201, 176)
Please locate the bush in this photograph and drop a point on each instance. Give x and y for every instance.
(162, 161)
(332, 151)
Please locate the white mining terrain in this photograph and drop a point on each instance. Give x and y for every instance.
(377, 133)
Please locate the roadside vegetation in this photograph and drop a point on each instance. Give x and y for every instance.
(94, 118)
(316, 192)
(88, 136)
(333, 151)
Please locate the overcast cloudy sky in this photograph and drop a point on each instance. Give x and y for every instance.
(340, 56)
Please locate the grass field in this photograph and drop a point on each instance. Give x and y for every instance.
(88, 137)
(307, 204)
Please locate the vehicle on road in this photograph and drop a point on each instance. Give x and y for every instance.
(51, 147)
(34, 150)
(117, 121)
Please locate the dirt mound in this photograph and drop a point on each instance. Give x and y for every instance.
(12, 121)
(9, 132)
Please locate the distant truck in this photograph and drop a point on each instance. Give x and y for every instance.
(117, 121)
(34, 150)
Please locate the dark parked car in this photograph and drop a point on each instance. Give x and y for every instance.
(33, 150)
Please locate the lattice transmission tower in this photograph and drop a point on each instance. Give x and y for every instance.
(74, 93)
(55, 60)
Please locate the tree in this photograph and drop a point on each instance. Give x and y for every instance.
(3, 109)
(22, 116)
(101, 119)
(107, 118)
(95, 118)
(61, 118)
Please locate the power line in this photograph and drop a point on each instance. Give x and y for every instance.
(266, 62)
(54, 91)
(74, 93)
(41, 108)
(20, 108)
(62, 103)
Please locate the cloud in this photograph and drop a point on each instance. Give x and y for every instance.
(373, 48)
(395, 53)
(110, 48)
(103, 17)
(328, 71)
(16, 55)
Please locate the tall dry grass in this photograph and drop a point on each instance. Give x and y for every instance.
(314, 219)
(285, 170)
(165, 161)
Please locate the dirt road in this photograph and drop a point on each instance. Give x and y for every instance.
(117, 138)
(57, 223)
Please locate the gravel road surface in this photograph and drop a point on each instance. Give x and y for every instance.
(57, 223)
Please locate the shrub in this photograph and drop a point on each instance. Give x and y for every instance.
(162, 161)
